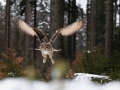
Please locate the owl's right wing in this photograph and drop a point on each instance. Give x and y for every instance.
(31, 31)
(73, 28)
(69, 30)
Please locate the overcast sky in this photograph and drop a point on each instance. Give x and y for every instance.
(82, 3)
(2, 1)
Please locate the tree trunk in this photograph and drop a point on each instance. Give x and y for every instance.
(93, 22)
(57, 19)
(119, 13)
(35, 27)
(109, 29)
(74, 17)
(26, 36)
(69, 48)
(7, 27)
(115, 12)
(87, 33)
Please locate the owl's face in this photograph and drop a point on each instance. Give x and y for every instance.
(46, 48)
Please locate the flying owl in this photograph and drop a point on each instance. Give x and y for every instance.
(46, 45)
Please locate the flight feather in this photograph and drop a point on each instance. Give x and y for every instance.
(30, 30)
(72, 28)
(68, 30)
(25, 28)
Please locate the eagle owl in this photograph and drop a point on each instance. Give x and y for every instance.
(46, 45)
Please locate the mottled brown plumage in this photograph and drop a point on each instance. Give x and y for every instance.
(46, 44)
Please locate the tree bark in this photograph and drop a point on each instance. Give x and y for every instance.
(93, 22)
(35, 27)
(57, 19)
(88, 30)
(109, 29)
(69, 48)
(7, 27)
(115, 12)
(25, 35)
(74, 17)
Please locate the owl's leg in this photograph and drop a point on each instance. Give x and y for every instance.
(50, 56)
(44, 57)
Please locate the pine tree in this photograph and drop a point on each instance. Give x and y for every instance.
(57, 19)
(109, 29)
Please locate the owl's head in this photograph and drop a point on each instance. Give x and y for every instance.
(46, 47)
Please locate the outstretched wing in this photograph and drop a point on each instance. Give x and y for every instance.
(68, 30)
(31, 31)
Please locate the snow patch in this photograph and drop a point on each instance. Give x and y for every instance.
(81, 84)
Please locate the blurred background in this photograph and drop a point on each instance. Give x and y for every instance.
(95, 49)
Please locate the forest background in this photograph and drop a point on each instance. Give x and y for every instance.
(95, 49)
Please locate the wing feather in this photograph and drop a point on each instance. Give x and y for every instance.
(31, 31)
(72, 28)
(25, 28)
(68, 30)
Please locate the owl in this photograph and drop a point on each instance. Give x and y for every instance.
(46, 45)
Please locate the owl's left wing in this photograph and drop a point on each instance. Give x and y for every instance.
(68, 30)
(31, 30)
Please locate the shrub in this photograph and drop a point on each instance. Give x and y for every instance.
(11, 65)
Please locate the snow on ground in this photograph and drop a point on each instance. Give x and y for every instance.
(81, 84)
(88, 76)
